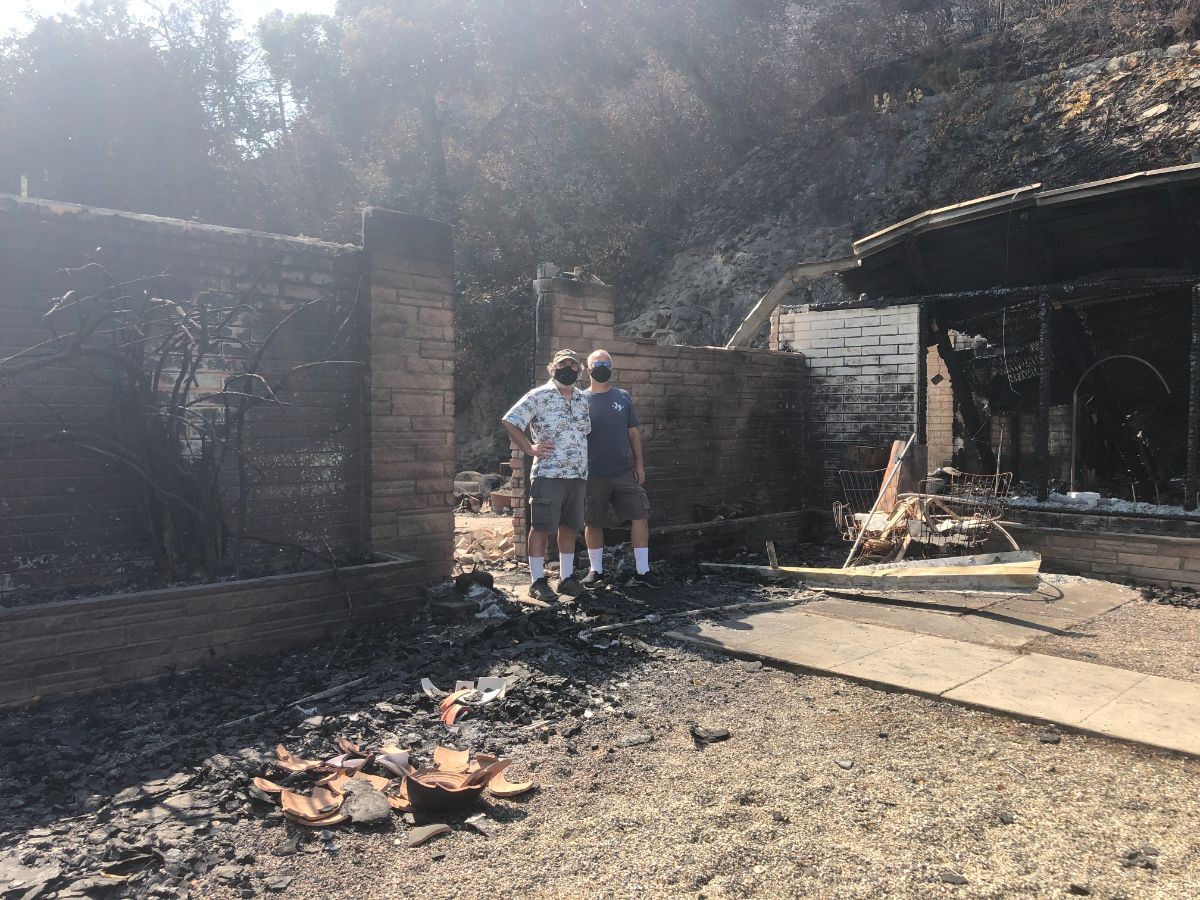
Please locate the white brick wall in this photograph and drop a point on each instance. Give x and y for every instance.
(863, 374)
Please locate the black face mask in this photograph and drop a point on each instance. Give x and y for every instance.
(601, 373)
(565, 375)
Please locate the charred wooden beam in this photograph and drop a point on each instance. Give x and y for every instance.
(1193, 432)
(964, 398)
(1041, 440)
(923, 329)
(1094, 288)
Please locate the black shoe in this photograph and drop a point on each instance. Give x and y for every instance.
(646, 580)
(571, 587)
(541, 590)
(592, 579)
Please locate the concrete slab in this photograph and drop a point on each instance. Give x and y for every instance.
(1047, 687)
(929, 665)
(1132, 706)
(1065, 602)
(1159, 711)
(966, 625)
(797, 638)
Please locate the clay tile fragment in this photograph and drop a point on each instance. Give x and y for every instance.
(502, 787)
(435, 790)
(265, 786)
(418, 836)
(394, 760)
(398, 800)
(348, 746)
(294, 763)
(320, 805)
(431, 691)
(450, 760)
(376, 781)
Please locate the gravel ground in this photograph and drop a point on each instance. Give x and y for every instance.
(825, 788)
(1140, 635)
(772, 813)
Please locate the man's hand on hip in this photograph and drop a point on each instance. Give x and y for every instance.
(542, 449)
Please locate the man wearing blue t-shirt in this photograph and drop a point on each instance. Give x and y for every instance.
(612, 476)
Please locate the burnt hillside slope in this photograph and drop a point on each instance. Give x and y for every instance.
(840, 177)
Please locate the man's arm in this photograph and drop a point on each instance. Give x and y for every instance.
(639, 466)
(541, 451)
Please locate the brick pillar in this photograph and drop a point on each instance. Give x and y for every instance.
(409, 267)
(572, 311)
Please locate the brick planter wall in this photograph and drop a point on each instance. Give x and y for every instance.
(1136, 549)
(83, 645)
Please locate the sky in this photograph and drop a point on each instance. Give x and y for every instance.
(13, 13)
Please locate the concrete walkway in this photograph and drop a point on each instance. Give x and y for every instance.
(978, 664)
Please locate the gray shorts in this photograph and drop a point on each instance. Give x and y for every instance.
(628, 499)
(556, 501)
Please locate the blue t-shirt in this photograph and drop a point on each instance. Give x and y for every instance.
(608, 443)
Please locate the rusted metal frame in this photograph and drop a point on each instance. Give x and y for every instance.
(1045, 383)
(964, 397)
(1193, 431)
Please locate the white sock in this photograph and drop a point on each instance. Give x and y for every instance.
(596, 558)
(537, 567)
(641, 557)
(566, 565)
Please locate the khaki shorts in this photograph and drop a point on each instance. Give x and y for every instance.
(556, 501)
(627, 497)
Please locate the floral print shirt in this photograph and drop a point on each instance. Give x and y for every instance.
(566, 424)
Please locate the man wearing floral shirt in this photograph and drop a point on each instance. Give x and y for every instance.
(558, 418)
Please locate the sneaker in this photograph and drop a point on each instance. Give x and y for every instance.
(646, 580)
(541, 590)
(592, 579)
(571, 587)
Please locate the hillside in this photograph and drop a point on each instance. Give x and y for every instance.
(808, 195)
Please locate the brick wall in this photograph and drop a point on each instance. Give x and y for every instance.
(410, 433)
(939, 412)
(1140, 550)
(71, 518)
(1024, 460)
(863, 366)
(722, 430)
(82, 645)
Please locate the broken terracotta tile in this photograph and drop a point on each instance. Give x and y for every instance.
(267, 787)
(345, 761)
(450, 760)
(432, 692)
(419, 836)
(502, 787)
(394, 760)
(336, 818)
(378, 782)
(294, 763)
(435, 790)
(321, 804)
(348, 746)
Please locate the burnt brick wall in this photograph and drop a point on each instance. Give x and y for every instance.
(863, 366)
(70, 518)
(722, 430)
(410, 434)
(1133, 549)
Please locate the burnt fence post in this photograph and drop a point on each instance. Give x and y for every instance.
(1193, 431)
(1045, 383)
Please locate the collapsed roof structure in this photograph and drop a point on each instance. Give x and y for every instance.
(1032, 296)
